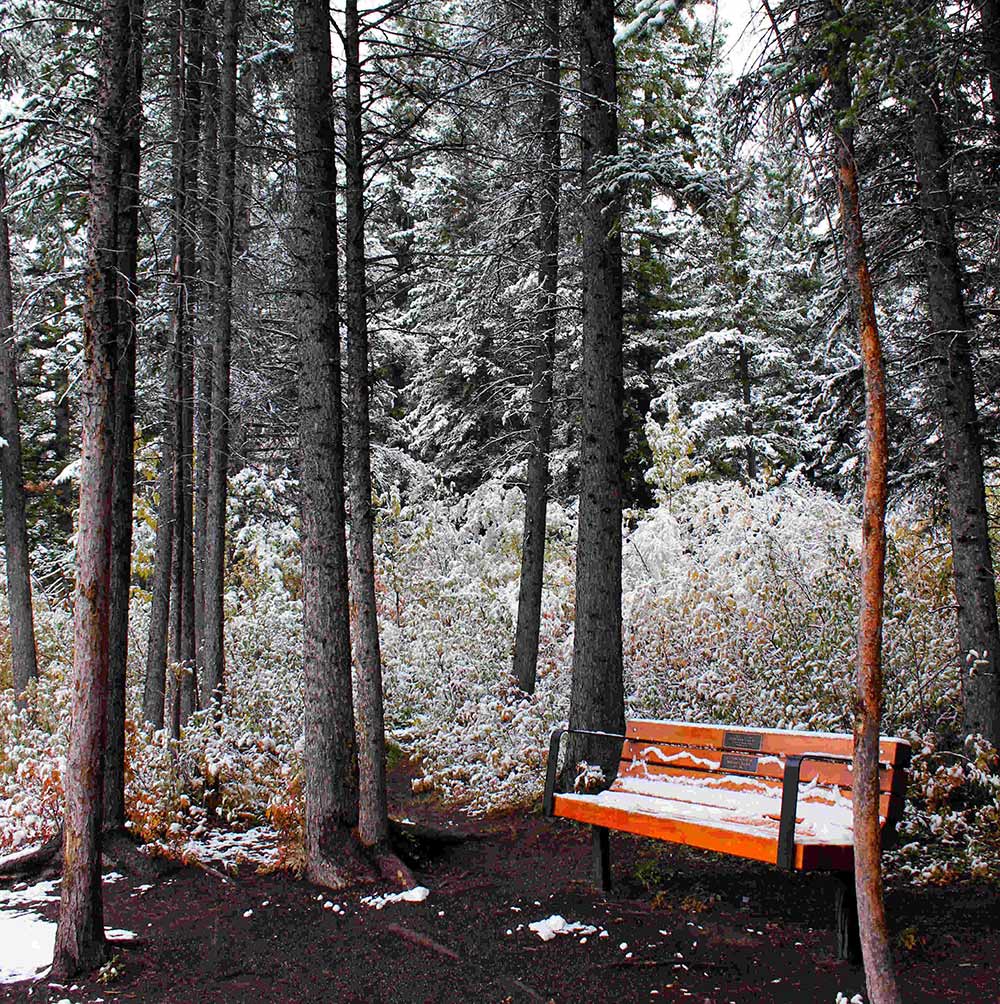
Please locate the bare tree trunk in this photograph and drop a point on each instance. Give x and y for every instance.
(597, 694)
(24, 660)
(990, 15)
(536, 496)
(373, 812)
(743, 376)
(331, 783)
(61, 448)
(951, 361)
(879, 972)
(154, 694)
(124, 442)
(215, 514)
(189, 46)
(80, 943)
(209, 174)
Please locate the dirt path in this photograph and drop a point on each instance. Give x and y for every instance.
(678, 926)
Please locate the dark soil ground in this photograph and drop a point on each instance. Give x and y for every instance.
(697, 926)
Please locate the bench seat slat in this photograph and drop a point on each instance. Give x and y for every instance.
(743, 840)
(825, 813)
(811, 790)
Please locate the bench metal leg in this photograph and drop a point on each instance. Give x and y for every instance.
(602, 858)
(848, 934)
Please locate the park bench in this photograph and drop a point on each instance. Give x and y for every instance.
(772, 795)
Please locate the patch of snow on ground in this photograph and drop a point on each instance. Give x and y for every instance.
(41, 892)
(415, 895)
(548, 928)
(257, 847)
(27, 939)
(26, 945)
(116, 934)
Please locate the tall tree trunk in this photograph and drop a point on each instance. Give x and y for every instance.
(990, 14)
(208, 226)
(879, 973)
(154, 694)
(373, 811)
(192, 27)
(536, 496)
(80, 943)
(124, 442)
(597, 694)
(189, 15)
(24, 660)
(62, 449)
(743, 377)
(215, 513)
(331, 780)
(951, 356)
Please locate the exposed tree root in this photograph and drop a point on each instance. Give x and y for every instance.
(118, 850)
(392, 869)
(341, 867)
(433, 836)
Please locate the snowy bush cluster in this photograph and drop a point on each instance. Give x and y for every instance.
(738, 608)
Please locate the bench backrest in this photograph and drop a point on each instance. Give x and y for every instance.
(680, 749)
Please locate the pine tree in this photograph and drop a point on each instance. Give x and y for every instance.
(597, 693)
(80, 942)
(218, 464)
(24, 661)
(529, 602)
(331, 779)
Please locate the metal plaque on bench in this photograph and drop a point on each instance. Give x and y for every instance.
(736, 761)
(743, 741)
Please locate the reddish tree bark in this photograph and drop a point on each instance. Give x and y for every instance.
(879, 972)
(80, 943)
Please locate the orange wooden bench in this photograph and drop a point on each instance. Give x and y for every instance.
(766, 794)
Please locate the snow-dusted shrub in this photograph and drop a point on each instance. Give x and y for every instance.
(448, 598)
(737, 607)
(951, 827)
(33, 742)
(742, 608)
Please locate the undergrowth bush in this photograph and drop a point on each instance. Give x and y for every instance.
(739, 608)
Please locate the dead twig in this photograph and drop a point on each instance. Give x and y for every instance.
(416, 938)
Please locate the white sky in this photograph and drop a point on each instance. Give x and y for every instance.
(743, 32)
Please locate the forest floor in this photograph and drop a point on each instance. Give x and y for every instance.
(679, 925)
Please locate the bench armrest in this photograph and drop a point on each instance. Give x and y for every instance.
(790, 802)
(552, 767)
